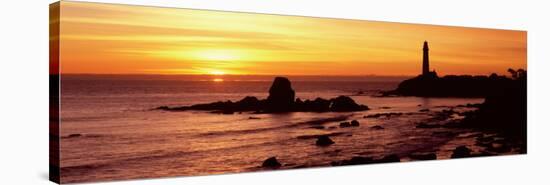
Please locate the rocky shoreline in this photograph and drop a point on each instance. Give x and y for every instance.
(487, 143)
(500, 121)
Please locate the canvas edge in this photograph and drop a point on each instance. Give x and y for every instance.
(54, 77)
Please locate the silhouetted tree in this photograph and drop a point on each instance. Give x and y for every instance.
(513, 72)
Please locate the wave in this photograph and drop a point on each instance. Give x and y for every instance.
(297, 124)
(145, 157)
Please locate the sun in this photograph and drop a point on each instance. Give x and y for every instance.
(216, 72)
(217, 55)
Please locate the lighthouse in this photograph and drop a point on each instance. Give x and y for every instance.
(425, 60)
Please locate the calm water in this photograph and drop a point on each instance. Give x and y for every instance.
(122, 138)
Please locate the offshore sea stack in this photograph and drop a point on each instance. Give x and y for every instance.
(281, 96)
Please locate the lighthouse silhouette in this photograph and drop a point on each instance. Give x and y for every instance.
(425, 60)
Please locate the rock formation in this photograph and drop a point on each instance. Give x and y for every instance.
(271, 162)
(423, 156)
(281, 96)
(281, 99)
(345, 104)
(461, 152)
(367, 160)
(354, 123)
(324, 141)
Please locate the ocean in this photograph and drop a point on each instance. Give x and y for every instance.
(110, 130)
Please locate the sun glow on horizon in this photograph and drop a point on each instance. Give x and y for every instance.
(216, 72)
(217, 55)
(217, 80)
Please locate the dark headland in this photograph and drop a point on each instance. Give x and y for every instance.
(429, 84)
(281, 99)
(504, 110)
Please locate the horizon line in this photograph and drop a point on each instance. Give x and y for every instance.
(302, 75)
(164, 74)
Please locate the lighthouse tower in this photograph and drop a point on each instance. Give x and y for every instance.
(425, 60)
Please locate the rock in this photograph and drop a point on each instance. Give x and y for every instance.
(377, 127)
(227, 111)
(281, 95)
(395, 114)
(426, 125)
(389, 159)
(253, 117)
(423, 156)
(373, 116)
(345, 124)
(461, 152)
(424, 110)
(324, 141)
(73, 135)
(353, 161)
(366, 160)
(271, 162)
(360, 160)
(354, 123)
(163, 108)
(317, 105)
(248, 103)
(482, 154)
(387, 115)
(344, 104)
(475, 105)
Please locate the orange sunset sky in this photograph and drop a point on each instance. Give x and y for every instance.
(119, 39)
